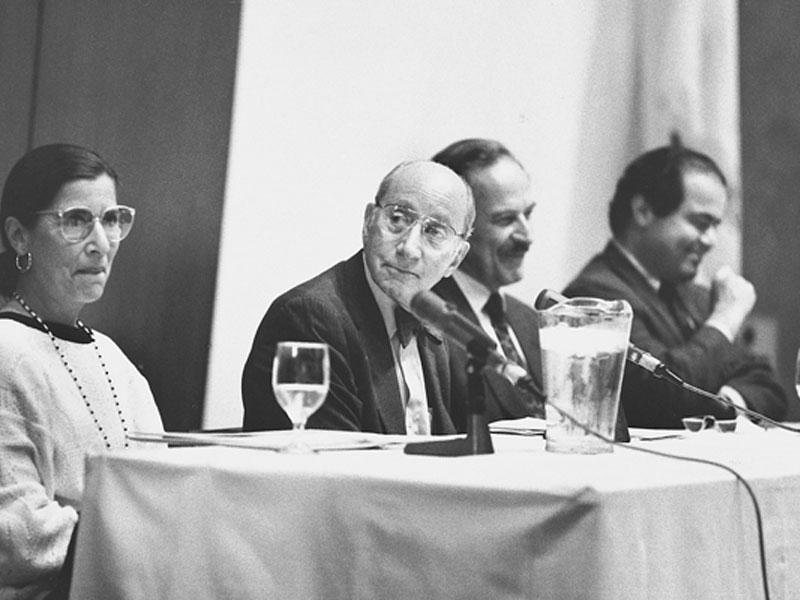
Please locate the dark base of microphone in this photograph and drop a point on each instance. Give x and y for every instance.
(478, 441)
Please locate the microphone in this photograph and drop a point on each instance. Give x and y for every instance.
(434, 311)
(650, 363)
(635, 355)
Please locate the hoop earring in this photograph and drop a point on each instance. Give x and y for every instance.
(28, 262)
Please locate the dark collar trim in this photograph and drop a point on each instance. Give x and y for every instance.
(61, 331)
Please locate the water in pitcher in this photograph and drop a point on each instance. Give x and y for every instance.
(582, 368)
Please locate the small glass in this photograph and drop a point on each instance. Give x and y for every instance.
(797, 374)
(300, 380)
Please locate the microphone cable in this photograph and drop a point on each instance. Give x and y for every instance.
(704, 461)
(655, 367)
(739, 409)
(428, 306)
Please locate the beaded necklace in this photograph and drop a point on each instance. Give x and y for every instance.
(71, 371)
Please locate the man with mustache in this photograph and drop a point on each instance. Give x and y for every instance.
(501, 238)
(388, 373)
(664, 217)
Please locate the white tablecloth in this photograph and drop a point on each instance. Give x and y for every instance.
(223, 523)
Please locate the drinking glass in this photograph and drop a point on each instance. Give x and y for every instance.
(300, 380)
(797, 374)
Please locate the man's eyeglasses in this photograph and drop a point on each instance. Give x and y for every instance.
(77, 223)
(397, 219)
(708, 422)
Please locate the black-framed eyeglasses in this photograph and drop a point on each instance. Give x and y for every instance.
(77, 223)
(397, 219)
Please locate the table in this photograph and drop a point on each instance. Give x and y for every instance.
(193, 523)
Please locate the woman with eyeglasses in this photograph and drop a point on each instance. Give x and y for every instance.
(65, 389)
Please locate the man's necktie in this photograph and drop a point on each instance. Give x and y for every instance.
(495, 308)
(669, 294)
(407, 326)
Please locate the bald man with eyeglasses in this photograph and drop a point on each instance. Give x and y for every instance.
(389, 373)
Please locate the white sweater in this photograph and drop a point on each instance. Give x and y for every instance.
(46, 431)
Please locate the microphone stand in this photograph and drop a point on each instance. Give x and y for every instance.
(478, 439)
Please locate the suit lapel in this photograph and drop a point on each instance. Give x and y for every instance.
(527, 334)
(643, 290)
(527, 331)
(437, 382)
(692, 302)
(376, 346)
(526, 328)
(453, 294)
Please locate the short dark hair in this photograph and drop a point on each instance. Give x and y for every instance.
(657, 176)
(470, 155)
(32, 185)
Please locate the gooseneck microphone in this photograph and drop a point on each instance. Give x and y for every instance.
(635, 355)
(433, 310)
(650, 363)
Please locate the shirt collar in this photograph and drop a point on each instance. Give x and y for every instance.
(59, 330)
(386, 306)
(653, 281)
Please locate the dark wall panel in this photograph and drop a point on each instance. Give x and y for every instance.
(18, 26)
(770, 109)
(149, 85)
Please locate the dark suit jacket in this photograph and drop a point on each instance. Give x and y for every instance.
(503, 400)
(706, 359)
(337, 307)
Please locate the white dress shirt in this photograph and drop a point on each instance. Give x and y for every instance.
(407, 364)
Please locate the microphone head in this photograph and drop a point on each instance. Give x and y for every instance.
(428, 307)
(444, 316)
(548, 298)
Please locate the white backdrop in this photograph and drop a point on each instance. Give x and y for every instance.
(331, 95)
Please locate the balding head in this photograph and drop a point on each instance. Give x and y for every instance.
(435, 179)
(404, 260)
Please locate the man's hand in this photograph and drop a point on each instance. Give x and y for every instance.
(733, 298)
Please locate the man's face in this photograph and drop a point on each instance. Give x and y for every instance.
(676, 244)
(502, 236)
(406, 263)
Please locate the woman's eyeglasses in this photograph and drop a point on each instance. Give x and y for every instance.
(709, 422)
(76, 224)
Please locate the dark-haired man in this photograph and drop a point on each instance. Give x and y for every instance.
(664, 217)
(501, 238)
(388, 373)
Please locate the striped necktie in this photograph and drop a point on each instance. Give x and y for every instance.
(495, 308)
